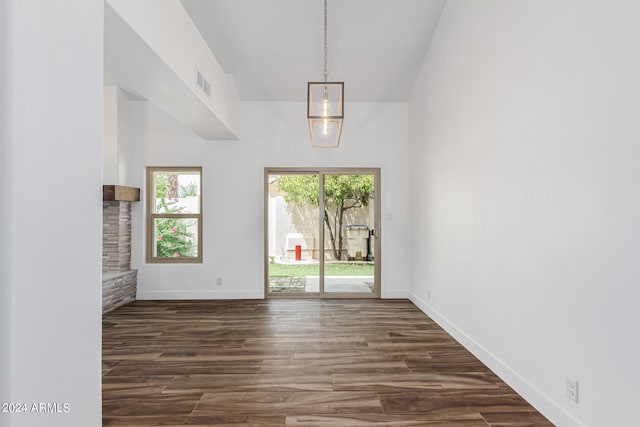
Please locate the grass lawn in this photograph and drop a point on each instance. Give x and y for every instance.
(330, 269)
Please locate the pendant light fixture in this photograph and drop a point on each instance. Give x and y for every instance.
(325, 105)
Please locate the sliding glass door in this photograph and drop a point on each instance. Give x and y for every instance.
(292, 233)
(321, 233)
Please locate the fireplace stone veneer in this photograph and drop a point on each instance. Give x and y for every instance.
(116, 236)
(118, 289)
(119, 281)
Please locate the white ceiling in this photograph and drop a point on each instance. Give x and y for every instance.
(274, 47)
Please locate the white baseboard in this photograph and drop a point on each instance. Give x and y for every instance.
(205, 294)
(539, 400)
(395, 294)
(181, 294)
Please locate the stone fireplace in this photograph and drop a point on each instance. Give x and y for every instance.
(119, 281)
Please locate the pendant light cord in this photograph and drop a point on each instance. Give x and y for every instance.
(326, 49)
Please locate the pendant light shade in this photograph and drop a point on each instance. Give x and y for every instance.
(325, 104)
(325, 112)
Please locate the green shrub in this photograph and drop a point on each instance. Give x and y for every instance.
(173, 238)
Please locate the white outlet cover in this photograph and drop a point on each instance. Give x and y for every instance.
(571, 389)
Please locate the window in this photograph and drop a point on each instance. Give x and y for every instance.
(174, 215)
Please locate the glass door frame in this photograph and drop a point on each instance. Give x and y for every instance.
(376, 237)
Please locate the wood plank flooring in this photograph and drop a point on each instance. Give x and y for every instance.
(295, 363)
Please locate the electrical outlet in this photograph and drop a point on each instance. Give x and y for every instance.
(219, 281)
(572, 389)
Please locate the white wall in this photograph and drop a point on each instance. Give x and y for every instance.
(524, 146)
(110, 160)
(5, 175)
(51, 180)
(168, 29)
(271, 134)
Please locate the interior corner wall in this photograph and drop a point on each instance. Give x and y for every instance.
(272, 134)
(51, 198)
(523, 147)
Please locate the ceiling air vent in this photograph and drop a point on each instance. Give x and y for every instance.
(203, 83)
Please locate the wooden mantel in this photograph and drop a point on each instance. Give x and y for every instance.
(120, 193)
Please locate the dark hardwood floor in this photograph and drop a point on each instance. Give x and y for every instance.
(295, 363)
